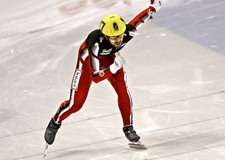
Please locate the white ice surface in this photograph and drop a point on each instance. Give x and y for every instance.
(177, 85)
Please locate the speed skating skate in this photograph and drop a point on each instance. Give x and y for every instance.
(137, 145)
(50, 134)
(132, 136)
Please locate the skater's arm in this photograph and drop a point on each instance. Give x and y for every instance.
(145, 15)
(99, 75)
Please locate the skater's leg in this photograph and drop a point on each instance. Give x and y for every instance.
(79, 91)
(119, 81)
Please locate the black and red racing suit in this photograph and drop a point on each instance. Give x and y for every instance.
(95, 56)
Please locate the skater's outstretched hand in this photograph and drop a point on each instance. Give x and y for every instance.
(155, 6)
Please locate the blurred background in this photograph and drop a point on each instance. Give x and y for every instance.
(175, 68)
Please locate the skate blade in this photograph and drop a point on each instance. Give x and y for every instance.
(137, 145)
(46, 150)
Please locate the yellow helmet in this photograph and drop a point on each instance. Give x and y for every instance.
(112, 25)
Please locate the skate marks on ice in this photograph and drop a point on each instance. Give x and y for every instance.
(105, 148)
(190, 138)
(207, 144)
(32, 16)
(119, 147)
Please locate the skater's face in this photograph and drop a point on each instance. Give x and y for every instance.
(116, 41)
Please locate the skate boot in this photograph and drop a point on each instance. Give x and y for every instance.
(51, 131)
(130, 134)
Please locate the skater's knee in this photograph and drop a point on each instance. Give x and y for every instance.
(75, 108)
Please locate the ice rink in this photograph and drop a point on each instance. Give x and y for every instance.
(176, 76)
